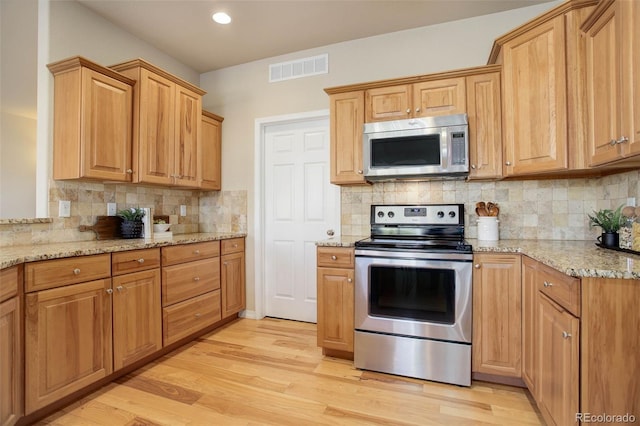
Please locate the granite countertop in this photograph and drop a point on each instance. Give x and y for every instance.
(14, 255)
(575, 258)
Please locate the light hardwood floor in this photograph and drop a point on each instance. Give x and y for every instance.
(271, 372)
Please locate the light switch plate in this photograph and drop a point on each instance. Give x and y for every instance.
(111, 209)
(183, 210)
(631, 201)
(64, 208)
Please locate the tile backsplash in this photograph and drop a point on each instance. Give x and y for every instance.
(529, 209)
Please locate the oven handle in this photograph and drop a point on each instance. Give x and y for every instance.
(408, 254)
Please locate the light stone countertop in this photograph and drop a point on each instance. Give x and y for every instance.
(13, 255)
(574, 258)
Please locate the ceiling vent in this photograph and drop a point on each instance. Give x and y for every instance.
(299, 68)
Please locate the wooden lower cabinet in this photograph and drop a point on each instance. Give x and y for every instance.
(497, 315)
(11, 383)
(185, 318)
(335, 286)
(559, 349)
(67, 340)
(232, 277)
(530, 347)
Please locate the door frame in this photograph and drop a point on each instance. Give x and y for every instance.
(260, 129)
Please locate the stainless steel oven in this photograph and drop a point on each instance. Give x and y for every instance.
(413, 294)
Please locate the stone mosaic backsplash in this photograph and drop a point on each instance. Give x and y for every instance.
(89, 200)
(531, 209)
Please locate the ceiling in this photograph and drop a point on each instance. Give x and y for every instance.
(264, 28)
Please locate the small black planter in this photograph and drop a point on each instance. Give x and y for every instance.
(609, 239)
(131, 228)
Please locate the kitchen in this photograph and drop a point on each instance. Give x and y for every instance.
(571, 199)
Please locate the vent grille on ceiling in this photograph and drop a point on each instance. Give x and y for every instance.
(299, 68)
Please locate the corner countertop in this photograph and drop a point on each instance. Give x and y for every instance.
(14, 255)
(575, 258)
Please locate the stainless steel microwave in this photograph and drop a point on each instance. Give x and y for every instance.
(417, 148)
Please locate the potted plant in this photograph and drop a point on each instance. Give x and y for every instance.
(131, 226)
(610, 221)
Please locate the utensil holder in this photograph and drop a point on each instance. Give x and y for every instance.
(488, 228)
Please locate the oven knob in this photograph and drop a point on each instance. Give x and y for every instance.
(440, 213)
(391, 214)
(452, 214)
(380, 214)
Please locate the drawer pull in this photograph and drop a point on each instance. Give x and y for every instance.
(225, 263)
(141, 261)
(120, 288)
(109, 291)
(566, 335)
(334, 257)
(196, 278)
(547, 284)
(196, 252)
(235, 246)
(198, 315)
(76, 271)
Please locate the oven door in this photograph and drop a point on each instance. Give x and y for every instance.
(425, 298)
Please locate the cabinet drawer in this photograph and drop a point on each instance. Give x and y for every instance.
(336, 257)
(134, 261)
(188, 252)
(233, 245)
(181, 282)
(182, 319)
(561, 288)
(55, 273)
(10, 281)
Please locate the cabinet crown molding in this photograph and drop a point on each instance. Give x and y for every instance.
(76, 62)
(141, 63)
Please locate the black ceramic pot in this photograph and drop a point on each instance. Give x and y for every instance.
(609, 239)
(131, 228)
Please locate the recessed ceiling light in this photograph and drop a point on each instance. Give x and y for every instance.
(221, 18)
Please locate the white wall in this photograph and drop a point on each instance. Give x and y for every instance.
(242, 94)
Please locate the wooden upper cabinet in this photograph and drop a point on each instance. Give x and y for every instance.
(166, 126)
(346, 122)
(92, 121)
(612, 67)
(485, 125)
(211, 152)
(534, 100)
(424, 99)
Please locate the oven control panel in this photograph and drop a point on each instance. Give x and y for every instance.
(431, 214)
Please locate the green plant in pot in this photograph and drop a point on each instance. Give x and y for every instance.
(610, 221)
(131, 226)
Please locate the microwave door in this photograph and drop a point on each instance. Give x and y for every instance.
(405, 155)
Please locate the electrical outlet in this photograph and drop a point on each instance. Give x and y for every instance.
(111, 209)
(64, 208)
(183, 210)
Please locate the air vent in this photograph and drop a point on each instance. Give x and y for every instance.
(299, 68)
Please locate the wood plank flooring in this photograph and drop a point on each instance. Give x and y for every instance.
(270, 372)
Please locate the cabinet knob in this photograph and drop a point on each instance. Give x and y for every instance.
(196, 278)
(507, 163)
(360, 172)
(477, 266)
(198, 315)
(408, 111)
(141, 260)
(334, 257)
(120, 288)
(225, 263)
(547, 284)
(473, 166)
(349, 280)
(129, 171)
(109, 291)
(566, 335)
(196, 252)
(330, 232)
(76, 271)
(235, 246)
(417, 109)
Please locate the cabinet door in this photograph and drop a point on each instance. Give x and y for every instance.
(530, 345)
(106, 127)
(497, 315)
(210, 154)
(187, 137)
(335, 308)
(534, 95)
(347, 120)
(232, 283)
(485, 125)
(10, 362)
(67, 341)
(439, 97)
(388, 103)
(137, 317)
(156, 129)
(631, 74)
(559, 345)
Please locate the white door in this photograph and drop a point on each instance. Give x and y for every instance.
(300, 207)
